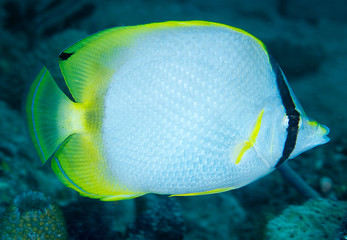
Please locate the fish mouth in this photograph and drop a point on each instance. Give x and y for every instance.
(319, 131)
(323, 131)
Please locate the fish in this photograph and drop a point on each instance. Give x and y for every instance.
(178, 108)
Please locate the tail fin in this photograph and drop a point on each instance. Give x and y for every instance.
(45, 103)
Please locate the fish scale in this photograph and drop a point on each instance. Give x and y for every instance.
(178, 117)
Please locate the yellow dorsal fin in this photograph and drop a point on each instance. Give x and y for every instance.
(88, 65)
(245, 145)
(85, 77)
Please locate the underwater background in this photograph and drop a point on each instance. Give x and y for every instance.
(308, 39)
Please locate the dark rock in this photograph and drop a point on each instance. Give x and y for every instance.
(163, 221)
(90, 219)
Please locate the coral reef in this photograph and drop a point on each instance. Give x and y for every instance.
(316, 219)
(33, 216)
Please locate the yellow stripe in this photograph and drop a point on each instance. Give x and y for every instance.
(204, 193)
(252, 138)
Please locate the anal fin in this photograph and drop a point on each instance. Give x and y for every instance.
(219, 190)
(79, 164)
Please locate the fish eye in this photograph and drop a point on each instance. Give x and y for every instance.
(285, 122)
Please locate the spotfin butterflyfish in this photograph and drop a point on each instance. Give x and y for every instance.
(176, 108)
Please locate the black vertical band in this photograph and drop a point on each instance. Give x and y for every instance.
(292, 113)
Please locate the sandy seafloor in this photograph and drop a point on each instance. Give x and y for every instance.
(309, 40)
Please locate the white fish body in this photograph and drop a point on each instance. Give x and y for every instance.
(179, 108)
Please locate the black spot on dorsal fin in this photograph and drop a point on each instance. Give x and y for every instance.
(64, 56)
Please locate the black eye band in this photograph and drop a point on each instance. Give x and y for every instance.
(292, 113)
